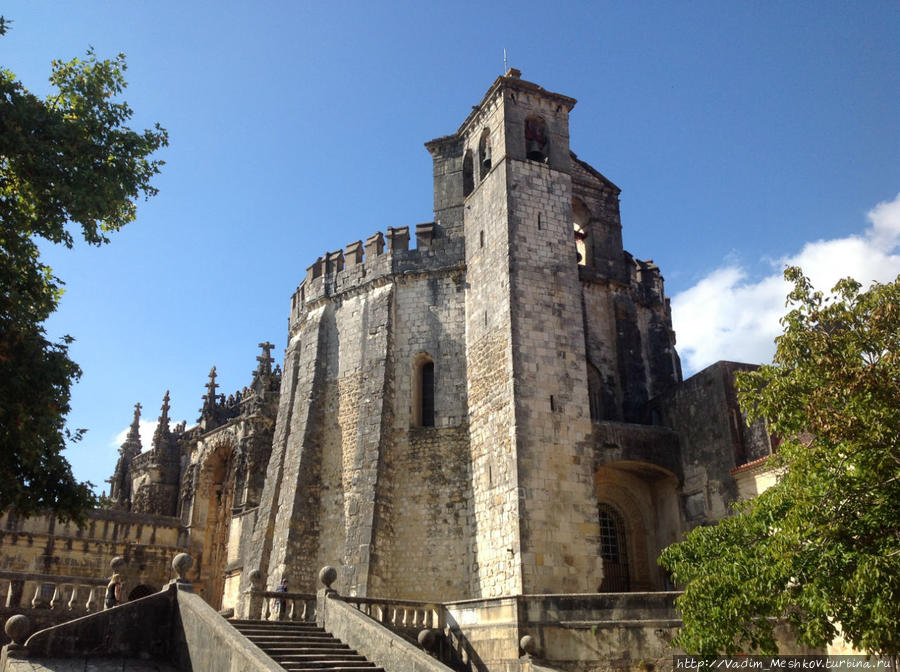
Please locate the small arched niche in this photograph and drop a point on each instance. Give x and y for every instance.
(581, 218)
(484, 154)
(468, 173)
(537, 139)
(423, 391)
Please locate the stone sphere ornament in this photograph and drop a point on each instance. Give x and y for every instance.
(428, 639)
(327, 575)
(116, 564)
(17, 628)
(256, 579)
(528, 645)
(181, 563)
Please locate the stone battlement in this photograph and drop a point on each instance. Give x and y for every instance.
(382, 254)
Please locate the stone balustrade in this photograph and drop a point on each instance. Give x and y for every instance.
(79, 594)
(400, 614)
(286, 606)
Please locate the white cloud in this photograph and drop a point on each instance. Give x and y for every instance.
(728, 316)
(146, 429)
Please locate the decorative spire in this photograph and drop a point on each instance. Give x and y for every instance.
(132, 444)
(161, 435)
(210, 399)
(263, 372)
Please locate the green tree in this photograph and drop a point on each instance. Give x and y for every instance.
(66, 162)
(821, 548)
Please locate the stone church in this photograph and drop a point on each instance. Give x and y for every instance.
(495, 410)
(486, 405)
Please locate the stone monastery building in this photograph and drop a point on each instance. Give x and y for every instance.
(495, 411)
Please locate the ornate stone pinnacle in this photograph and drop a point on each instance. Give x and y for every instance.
(161, 435)
(132, 443)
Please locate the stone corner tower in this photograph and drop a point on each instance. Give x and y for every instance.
(534, 504)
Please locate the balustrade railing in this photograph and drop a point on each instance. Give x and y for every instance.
(406, 614)
(51, 591)
(287, 606)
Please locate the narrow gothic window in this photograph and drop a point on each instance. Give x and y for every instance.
(468, 174)
(484, 154)
(427, 393)
(581, 218)
(423, 392)
(595, 383)
(537, 143)
(613, 550)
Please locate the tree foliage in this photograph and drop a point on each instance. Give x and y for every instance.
(67, 163)
(821, 548)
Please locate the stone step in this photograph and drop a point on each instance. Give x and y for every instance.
(332, 667)
(301, 668)
(311, 653)
(303, 647)
(286, 625)
(320, 663)
(282, 637)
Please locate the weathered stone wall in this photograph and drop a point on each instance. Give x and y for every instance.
(714, 439)
(422, 520)
(41, 544)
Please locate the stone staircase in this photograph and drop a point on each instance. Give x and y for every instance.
(303, 647)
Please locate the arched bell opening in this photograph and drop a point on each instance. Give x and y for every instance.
(484, 154)
(537, 139)
(637, 508)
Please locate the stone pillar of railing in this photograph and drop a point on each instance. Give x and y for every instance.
(254, 599)
(182, 563)
(327, 576)
(15, 592)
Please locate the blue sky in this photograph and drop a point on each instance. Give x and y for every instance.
(742, 134)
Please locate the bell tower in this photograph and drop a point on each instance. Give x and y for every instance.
(535, 511)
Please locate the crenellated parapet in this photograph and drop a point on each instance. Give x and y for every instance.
(380, 256)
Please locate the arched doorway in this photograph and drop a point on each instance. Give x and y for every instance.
(217, 478)
(140, 591)
(638, 516)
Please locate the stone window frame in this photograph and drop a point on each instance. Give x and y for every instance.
(420, 416)
(468, 172)
(614, 537)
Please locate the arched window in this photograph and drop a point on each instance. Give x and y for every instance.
(468, 173)
(613, 550)
(595, 398)
(537, 139)
(423, 393)
(484, 154)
